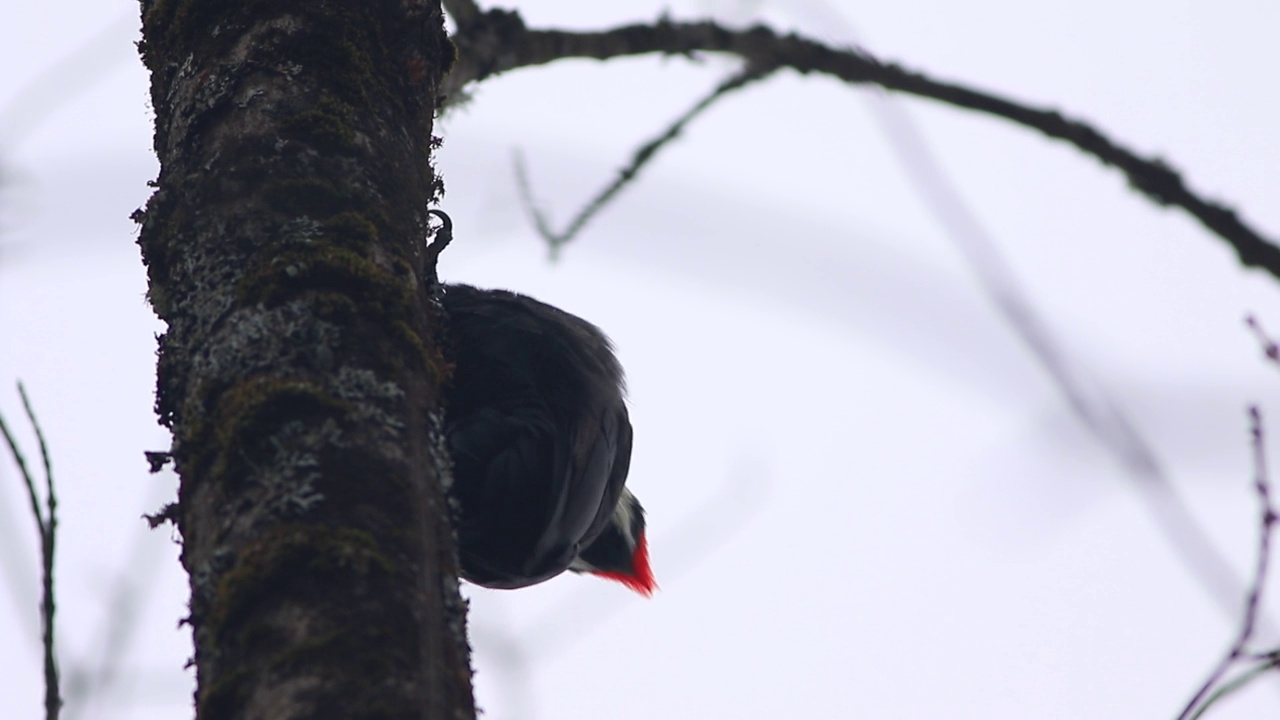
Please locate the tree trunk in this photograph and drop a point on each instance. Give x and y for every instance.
(301, 368)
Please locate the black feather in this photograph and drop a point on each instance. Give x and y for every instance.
(538, 431)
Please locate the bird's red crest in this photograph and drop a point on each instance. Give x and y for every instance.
(640, 579)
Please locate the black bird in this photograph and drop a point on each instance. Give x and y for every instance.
(541, 444)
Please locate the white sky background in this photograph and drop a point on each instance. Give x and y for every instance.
(866, 497)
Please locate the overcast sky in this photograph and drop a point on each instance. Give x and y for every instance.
(867, 496)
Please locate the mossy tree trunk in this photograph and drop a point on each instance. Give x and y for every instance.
(300, 370)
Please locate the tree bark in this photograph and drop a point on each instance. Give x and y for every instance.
(300, 371)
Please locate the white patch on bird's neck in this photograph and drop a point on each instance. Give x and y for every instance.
(622, 517)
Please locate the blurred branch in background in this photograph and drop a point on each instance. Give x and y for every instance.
(517, 652)
(62, 82)
(1093, 405)
(49, 90)
(91, 679)
(47, 526)
(696, 537)
(1202, 699)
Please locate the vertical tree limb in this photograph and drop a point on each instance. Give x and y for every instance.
(300, 371)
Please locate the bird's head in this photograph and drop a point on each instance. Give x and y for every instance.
(621, 552)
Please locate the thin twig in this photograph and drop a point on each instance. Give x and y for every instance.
(539, 217)
(1269, 347)
(44, 452)
(21, 462)
(46, 524)
(642, 156)
(93, 677)
(1235, 684)
(499, 42)
(1262, 486)
(52, 698)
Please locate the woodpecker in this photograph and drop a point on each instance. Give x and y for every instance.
(541, 443)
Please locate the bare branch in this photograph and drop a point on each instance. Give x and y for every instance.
(499, 41)
(1262, 486)
(21, 461)
(643, 155)
(49, 521)
(52, 698)
(1235, 684)
(46, 525)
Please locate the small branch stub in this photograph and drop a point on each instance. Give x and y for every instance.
(431, 256)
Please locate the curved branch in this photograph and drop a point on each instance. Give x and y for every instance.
(642, 156)
(498, 41)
